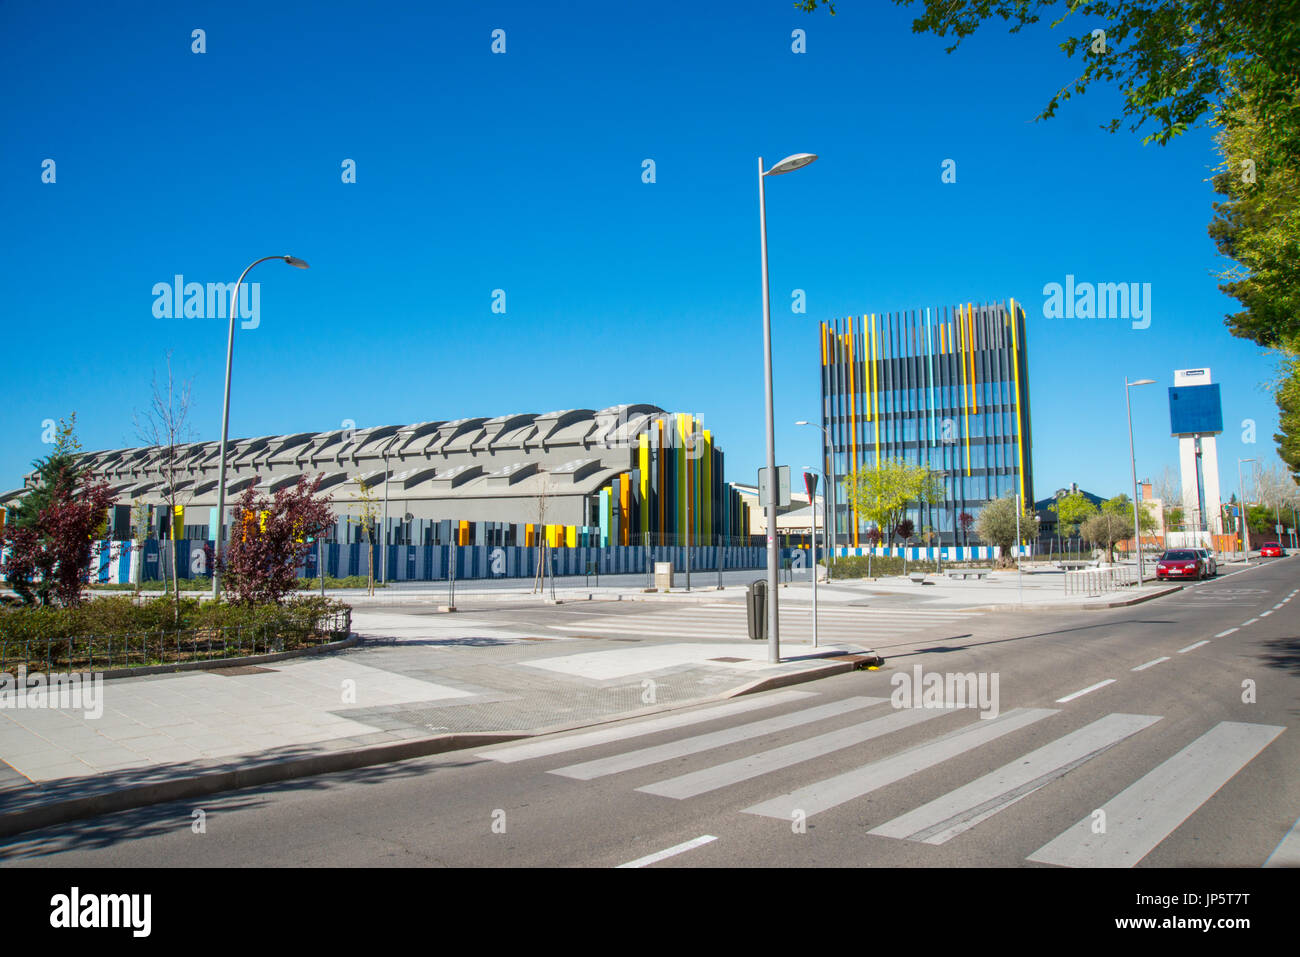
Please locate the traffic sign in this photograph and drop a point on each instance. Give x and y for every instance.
(782, 486)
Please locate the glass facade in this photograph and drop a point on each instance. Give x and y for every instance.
(947, 388)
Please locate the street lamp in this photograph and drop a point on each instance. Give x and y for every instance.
(225, 421)
(829, 521)
(1241, 510)
(792, 162)
(1137, 527)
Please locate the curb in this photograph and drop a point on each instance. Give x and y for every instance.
(229, 779)
(1092, 607)
(13, 822)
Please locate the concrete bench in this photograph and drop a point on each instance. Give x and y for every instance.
(964, 573)
(918, 577)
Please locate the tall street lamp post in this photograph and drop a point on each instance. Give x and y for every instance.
(225, 422)
(828, 520)
(1241, 510)
(793, 162)
(1132, 460)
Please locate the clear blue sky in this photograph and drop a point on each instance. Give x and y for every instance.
(523, 172)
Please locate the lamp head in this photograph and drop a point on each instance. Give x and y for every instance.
(792, 162)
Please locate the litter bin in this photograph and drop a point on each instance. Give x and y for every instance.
(756, 609)
(664, 575)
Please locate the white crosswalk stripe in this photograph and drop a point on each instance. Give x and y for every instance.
(960, 810)
(1137, 819)
(710, 779)
(835, 791)
(729, 621)
(560, 743)
(1150, 809)
(706, 742)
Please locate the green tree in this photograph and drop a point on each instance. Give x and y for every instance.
(1288, 408)
(1175, 62)
(882, 494)
(1107, 527)
(1071, 510)
(996, 524)
(57, 476)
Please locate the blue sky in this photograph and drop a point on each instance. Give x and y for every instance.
(522, 171)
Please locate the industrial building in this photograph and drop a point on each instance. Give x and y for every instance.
(626, 475)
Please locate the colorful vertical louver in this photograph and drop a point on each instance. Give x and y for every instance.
(946, 388)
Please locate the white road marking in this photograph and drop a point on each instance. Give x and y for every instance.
(1280, 604)
(1251, 622)
(1153, 807)
(1287, 852)
(1152, 662)
(716, 739)
(671, 851)
(853, 784)
(765, 762)
(1080, 694)
(1225, 634)
(1192, 647)
(1265, 614)
(558, 744)
(958, 811)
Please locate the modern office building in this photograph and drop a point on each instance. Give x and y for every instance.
(626, 475)
(947, 388)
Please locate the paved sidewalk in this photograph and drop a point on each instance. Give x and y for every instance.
(413, 681)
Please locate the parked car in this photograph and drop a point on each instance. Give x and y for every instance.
(1271, 550)
(1181, 563)
(1211, 563)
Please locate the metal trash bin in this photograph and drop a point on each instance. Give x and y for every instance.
(756, 609)
(665, 575)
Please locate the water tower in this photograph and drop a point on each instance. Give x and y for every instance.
(1195, 418)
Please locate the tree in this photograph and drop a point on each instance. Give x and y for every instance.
(164, 426)
(56, 550)
(1071, 510)
(883, 493)
(906, 528)
(996, 525)
(1257, 226)
(1288, 407)
(1176, 62)
(965, 521)
(367, 515)
(1106, 528)
(260, 565)
(57, 475)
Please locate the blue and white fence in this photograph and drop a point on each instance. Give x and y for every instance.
(125, 562)
(949, 553)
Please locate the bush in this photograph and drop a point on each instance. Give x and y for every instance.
(118, 615)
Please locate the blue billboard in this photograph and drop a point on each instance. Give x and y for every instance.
(1195, 410)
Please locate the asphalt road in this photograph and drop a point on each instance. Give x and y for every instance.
(1190, 752)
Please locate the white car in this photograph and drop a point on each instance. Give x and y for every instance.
(1211, 564)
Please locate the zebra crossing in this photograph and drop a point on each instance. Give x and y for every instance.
(728, 621)
(1136, 819)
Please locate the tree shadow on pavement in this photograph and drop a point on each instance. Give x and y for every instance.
(97, 833)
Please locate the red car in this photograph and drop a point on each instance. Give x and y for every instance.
(1180, 563)
(1271, 550)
